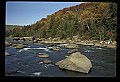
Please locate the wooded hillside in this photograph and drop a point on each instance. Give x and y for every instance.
(92, 20)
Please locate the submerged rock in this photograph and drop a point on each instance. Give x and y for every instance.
(43, 55)
(54, 48)
(75, 62)
(47, 61)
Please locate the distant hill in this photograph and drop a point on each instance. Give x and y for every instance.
(11, 27)
(91, 20)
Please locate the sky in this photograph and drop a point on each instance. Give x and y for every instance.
(25, 13)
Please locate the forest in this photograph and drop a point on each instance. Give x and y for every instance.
(91, 21)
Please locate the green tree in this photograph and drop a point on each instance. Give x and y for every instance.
(52, 27)
(76, 25)
(111, 21)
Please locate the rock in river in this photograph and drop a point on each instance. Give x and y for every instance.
(72, 51)
(47, 61)
(18, 46)
(7, 54)
(54, 48)
(8, 44)
(43, 55)
(71, 46)
(75, 62)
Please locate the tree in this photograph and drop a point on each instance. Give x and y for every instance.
(76, 25)
(52, 27)
(63, 26)
(111, 20)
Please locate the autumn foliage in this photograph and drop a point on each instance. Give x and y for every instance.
(91, 20)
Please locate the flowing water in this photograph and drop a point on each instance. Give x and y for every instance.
(25, 62)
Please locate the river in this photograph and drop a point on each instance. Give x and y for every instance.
(25, 62)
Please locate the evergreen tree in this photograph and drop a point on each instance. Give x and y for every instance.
(63, 27)
(76, 24)
(52, 27)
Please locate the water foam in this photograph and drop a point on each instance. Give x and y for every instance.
(37, 73)
(41, 48)
(88, 51)
(99, 48)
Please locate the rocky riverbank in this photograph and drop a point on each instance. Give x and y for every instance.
(107, 43)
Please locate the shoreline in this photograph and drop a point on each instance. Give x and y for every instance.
(97, 44)
(107, 43)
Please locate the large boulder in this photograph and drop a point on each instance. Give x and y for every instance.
(75, 62)
(71, 46)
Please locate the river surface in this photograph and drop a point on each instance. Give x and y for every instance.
(25, 62)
